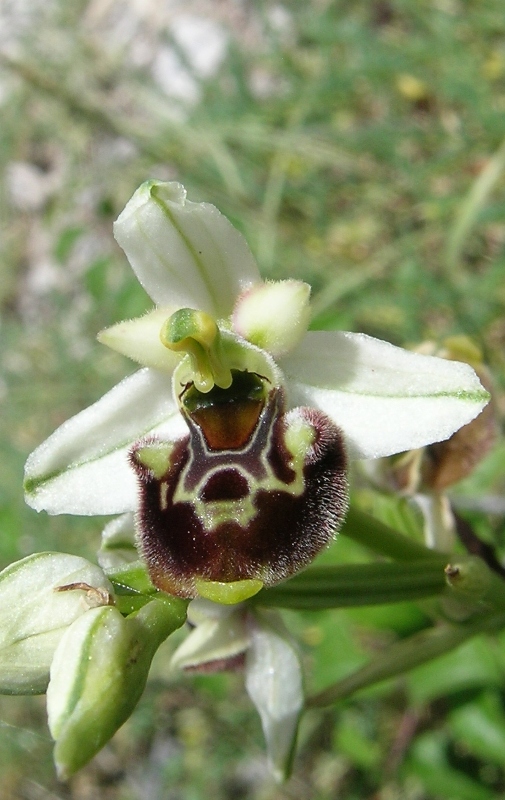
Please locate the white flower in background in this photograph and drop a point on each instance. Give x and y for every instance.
(231, 443)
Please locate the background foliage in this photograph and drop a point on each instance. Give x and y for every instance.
(358, 145)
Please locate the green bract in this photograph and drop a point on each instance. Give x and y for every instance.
(98, 674)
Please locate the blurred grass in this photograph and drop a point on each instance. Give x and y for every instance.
(358, 146)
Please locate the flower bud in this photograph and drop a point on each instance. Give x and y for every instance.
(451, 460)
(98, 674)
(40, 596)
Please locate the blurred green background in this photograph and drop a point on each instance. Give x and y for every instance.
(358, 145)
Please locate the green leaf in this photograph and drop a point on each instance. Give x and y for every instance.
(397, 512)
(356, 585)
(351, 740)
(474, 664)
(428, 761)
(480, 726)
(65, 243)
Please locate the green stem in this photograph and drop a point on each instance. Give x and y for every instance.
(469, 579)
(356, 585)
(406, 655)
(370, 532)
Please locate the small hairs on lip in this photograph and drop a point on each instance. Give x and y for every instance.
(252, 493)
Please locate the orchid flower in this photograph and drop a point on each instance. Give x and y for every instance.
(231, 444)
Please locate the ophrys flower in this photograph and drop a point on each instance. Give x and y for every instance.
(231, 444)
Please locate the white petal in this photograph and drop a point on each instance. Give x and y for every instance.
(274, 315)
(385, 399)
(184, 254)
(82, 468)
(139, 339)
(274, 683)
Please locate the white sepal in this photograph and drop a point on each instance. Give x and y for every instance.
(212, 641)
(273, 680)
(118, 543)
(385, 399)
(35, 615)
(82, 468)
(184, 254)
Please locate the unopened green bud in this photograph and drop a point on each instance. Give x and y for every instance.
(469, 577)
(40, 596)
(473, 588)
(98, 674)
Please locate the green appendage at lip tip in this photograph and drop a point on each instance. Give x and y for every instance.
(228, 593)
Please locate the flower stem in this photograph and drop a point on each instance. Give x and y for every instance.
(406, 655)
(469, 579)
(370, 532)
(357, 585)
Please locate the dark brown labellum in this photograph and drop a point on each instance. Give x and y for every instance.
(252, 492)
